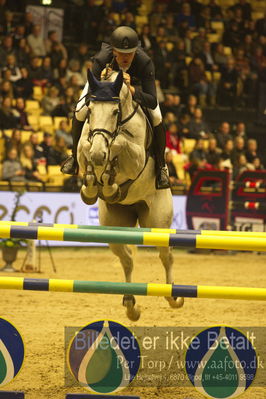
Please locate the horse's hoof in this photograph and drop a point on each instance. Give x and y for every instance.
(88, 200)
(133, 313)
(175, 302)
(133, 310)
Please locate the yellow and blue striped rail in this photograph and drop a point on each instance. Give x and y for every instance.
(258, 234)
(241, 242)
(146, 289)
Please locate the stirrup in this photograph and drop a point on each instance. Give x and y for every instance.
(70, 166)
(162, 179)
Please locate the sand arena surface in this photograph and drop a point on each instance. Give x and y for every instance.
(41, 317)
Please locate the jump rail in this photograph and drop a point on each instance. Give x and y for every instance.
(145, 289)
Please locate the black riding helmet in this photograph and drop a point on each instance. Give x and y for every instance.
(124, 39)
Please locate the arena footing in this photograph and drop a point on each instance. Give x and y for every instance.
(98, 396)
(11, 395)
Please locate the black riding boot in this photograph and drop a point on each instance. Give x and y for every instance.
(70, 165)
(162, 178)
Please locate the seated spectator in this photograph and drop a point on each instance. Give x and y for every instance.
(11, 65)
(58, 153)
(240, 130)
(8, 118)
(23, 122)
(186, 16)
(74, 69)
(257, 164)
(14, 141)
(172, 138)
(56, 54)
(28, 22)
(199, 151)
(195, 165)
(47, 70)
(88, 65)
(52, 40)
(148, 42)
(64, 131)
(207, 57)
(252, 150)
(239, 148)
(192, 104)
(23, 52)
(63, 109)
(12, 168)
(219, 56)
(47, 146)
(8, 27)
(6, 89)
(50, 100)
(199, 83)
(184, 125)
(198, 41)
(24, 86)
(37, 148)
(216, 11)
(61, 69)
(198, 127)
(129, 20)
(213, 152)
(245, 8)
(6, 48)
(36, 42)
(81, 53)
(169, 118)
(35, 72)
(261, 25)
(29, 164)
(227, 153)
(20, 33)
(223, 134)
(232, 35)
(240, 165)
(168, 104)
(173, 177)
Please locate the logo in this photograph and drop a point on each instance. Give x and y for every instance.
(221, 362)
(104, 356)
(125, 43)
(11, 352)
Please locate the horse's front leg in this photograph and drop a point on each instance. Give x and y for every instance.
(110, 190)
(89, 189)
(166, 256)
(125, 256)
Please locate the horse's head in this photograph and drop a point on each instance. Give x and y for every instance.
(104, 116)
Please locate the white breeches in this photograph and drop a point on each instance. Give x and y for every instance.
(156, 115)
(81, 109)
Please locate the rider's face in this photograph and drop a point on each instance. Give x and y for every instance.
(124, 60)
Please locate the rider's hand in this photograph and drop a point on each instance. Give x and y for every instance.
(105, 72)
(127, 78)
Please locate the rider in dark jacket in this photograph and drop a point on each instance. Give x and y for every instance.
(124, 53)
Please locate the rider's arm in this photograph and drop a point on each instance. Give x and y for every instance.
(146, 95)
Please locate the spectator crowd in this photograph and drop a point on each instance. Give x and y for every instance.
(210, 55)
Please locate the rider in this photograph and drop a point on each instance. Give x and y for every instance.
(126, 54)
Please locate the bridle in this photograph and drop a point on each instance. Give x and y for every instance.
(119, 122)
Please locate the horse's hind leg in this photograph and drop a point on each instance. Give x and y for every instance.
(119, 215)
(166, 256)
(124, 254)
(159, 214)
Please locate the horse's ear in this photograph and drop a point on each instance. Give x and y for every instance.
(117, 85)
(93, 82)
